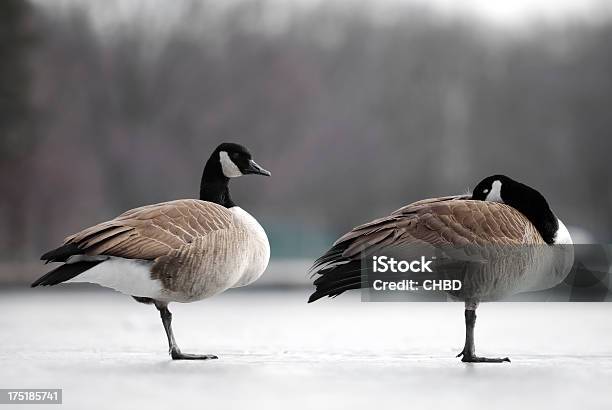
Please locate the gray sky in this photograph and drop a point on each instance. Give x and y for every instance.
(512, 14)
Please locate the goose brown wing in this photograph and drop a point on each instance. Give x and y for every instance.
(152, 231)
(447, 222)
(457, 224)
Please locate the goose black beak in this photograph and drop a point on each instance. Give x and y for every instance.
(254, 168)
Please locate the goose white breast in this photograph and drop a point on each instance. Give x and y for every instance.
(258, 254)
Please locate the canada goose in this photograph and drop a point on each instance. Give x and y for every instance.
(499, 218)
(177, 251)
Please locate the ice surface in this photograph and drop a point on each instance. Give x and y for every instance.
(277, 352)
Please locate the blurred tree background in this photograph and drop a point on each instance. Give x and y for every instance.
(17, 139)
(355, 112)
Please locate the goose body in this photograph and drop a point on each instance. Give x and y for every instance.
(501, 240)
(178, 251)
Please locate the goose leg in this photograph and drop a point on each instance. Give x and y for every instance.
(174, 350)
(468, 351)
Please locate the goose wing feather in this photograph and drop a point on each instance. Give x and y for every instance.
(439, 222)
(153, 231)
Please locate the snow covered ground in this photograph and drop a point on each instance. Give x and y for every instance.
(277, 352)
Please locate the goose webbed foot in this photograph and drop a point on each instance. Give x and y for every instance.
(472, 358)
(468, 354)
(176, 354)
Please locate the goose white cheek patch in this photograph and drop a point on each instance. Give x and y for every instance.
(230, 169)
(495, 194)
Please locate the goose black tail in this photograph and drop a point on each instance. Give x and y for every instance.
(337, 279)
(64, 273)
(336, 273)
(62, 253)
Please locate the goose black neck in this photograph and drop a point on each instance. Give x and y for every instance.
(533, 205)
(214, 186)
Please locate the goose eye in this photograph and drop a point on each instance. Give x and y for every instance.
(234, 155)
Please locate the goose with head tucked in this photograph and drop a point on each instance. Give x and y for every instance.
(500, 240)
(178, 251)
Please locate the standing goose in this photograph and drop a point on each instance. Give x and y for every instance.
(505, 223)
(177, 251)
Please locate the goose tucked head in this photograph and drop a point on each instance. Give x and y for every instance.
(228, 160)
(528, 201)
